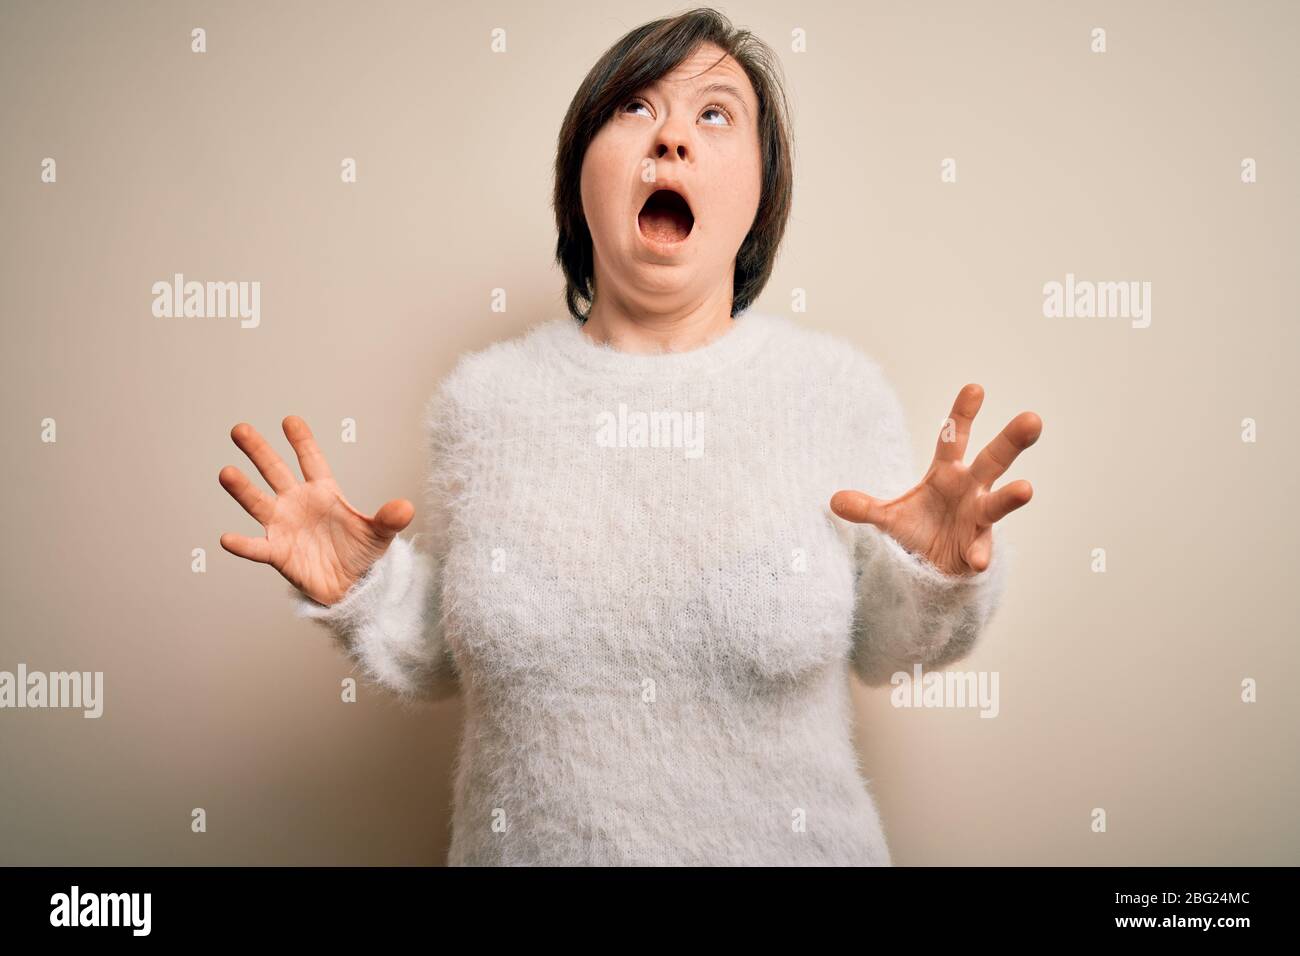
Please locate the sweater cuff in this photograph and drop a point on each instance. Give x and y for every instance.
(938, 585)
(383, 584)
(914, 613)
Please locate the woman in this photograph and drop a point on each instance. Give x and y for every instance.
(637, 572)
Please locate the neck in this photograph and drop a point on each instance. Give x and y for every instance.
(613, 323)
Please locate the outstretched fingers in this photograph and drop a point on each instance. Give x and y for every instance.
(996, 505)
(997, 456)
(310, 458)
(254, 549)
(246, 493)
(857, 507)
(393, 517)
(269, 464)
(956, 430)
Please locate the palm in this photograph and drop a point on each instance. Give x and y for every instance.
(318, 540)
(314, 536)
(949, 516)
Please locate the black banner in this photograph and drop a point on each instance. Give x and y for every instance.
(921, 905)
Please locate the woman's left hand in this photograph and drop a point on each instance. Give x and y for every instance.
(948, 518)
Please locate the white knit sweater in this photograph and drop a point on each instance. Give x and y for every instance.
(653, 631)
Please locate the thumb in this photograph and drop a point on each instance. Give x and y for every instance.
(393, 517)
(857, 507)
(980, 553)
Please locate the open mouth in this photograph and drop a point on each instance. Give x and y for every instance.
(666, 217)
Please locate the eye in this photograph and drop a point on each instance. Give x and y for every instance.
(711, 108)
(715, 108)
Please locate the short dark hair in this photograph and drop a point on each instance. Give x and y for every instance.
(641, 57)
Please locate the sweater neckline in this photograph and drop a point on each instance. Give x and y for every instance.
(748, 331)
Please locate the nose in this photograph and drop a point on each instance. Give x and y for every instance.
(673, 145)
(672, 140)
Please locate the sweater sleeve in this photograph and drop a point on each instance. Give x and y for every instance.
(908, 611)
(390, 622)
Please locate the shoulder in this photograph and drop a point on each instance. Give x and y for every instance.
(481, 379)
(814, 357)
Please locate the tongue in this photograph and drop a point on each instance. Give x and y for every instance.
(664, 225)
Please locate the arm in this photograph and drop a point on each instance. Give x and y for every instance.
(908, 611)
(390, 622)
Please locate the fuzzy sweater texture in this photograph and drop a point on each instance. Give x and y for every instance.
(630, 571)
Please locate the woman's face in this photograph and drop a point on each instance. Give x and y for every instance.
(677, 134)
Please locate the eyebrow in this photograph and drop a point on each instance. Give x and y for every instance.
(716, 87)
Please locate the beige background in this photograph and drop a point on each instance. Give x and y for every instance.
(1118, 690)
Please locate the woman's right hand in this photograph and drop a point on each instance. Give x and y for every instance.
(314, 537)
